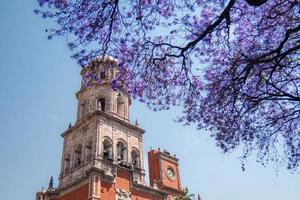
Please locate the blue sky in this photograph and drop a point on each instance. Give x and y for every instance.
(37, 85)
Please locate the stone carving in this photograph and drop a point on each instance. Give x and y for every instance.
(122, 194)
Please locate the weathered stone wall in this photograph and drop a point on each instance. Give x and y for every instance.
(88, 98)
(108, 128)
(82, 134)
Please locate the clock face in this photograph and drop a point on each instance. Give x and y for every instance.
(170, 173)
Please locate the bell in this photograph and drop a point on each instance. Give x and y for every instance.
(119, 157)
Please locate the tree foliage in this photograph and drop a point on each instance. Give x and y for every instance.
(232, 66)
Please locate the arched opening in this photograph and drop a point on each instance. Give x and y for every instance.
(122, 151)
(102, 75)
(135, 158)
(82, 109)
(120, 106)
(107, 150)
(67, 163)
(78, 156)
(101, 104)
(88, 150)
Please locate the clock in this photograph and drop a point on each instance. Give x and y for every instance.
(170, 173)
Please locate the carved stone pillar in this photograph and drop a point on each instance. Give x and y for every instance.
(94, 187)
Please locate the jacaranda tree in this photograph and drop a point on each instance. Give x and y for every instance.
(233, 65)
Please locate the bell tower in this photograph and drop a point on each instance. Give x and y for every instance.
(102, 140)
(102, 156)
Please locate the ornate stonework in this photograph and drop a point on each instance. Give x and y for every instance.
(122, 194)
(102, 155)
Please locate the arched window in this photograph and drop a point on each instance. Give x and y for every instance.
(102, 75)
(135, 158)
(107, 149)
(122, 151)
(101, 104)
(120, 106)
(78, 156)
(82, 109)
(67, 163)
(88, 150)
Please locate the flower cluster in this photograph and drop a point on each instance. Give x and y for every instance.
(233, 67)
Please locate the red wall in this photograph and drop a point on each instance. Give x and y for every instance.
(78, 194)
(166, 181)
(107, 191)
(123, 180)
(138, 195)
(154, 170)
(157, 171)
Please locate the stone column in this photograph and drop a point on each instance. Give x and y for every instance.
(94, 187)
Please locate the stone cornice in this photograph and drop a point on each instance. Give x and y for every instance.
(105, 83)
(168, 156)
(147, 189)
(99, 112)
(177, 191)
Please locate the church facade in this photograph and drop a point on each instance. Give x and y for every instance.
(102, 157)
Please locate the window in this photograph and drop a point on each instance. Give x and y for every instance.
(78, 156)
(135, 158)
(120, 106)
(67, 163)
(101, 104)
(83, 110)
(121, 148)
(107, 149)
(89, 150)
(102, 75)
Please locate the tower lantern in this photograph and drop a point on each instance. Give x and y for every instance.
(97, 91)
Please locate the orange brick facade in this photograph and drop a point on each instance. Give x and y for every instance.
(166, 189)
(77, 194)
(159, 163)
(102, 156)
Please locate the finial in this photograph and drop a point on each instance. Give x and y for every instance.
(51, 183)
(70, 125)
(167, 152)
(136, 123)
(199, 198)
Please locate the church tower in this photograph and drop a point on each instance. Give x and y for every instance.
(102, 155)
(164, 171)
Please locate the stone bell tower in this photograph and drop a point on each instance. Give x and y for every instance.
(102, 140)
(102, 137)
(102, 157)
